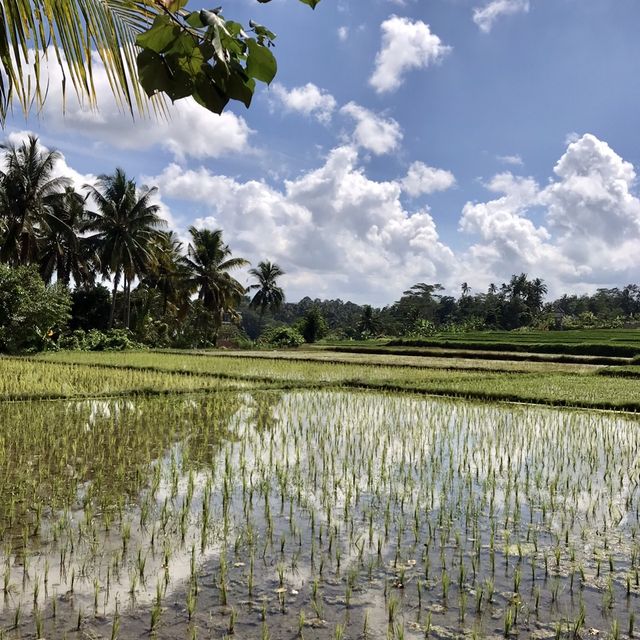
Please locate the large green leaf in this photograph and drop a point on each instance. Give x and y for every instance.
(161, 36)
(261, 63)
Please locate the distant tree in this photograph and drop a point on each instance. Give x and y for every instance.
(126, 230)
(28, 191)
(269, 296)
(369, 324)
(169, 275)
(313, 326)
(209, 261)
(64, 251)
(90, 308)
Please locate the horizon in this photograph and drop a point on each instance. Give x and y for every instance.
(505, 143)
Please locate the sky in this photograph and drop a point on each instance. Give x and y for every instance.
(402, 141)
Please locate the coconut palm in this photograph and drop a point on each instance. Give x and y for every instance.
(168, 274)
(268, 296)
(127, 230)
(209, 260)
(63, 250)
(28, 192)
(369, 324)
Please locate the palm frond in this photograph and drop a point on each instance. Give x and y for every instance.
(71, 31)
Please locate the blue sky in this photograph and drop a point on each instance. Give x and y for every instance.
(404, 140)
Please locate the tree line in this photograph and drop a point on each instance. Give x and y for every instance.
(112, 231)
(58, 245)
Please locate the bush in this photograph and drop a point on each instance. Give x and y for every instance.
(281, 338)
(231, 336)
(32, 314)
(94, 340)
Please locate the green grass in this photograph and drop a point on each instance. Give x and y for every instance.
(25, 379)
(553, 387)
(478, 352)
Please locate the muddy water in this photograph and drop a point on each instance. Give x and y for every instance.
(316, 515)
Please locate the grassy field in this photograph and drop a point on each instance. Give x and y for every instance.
(553, 384)
(596, 342)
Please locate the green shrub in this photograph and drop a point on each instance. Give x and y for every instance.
(32, 314)
(281, 338)
(94, 340)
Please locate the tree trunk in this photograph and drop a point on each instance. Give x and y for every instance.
(127, 303)
(116, 282)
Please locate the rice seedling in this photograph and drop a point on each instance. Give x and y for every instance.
(247, 492)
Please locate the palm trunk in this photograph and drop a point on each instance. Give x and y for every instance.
(127, 304)
(116, 282)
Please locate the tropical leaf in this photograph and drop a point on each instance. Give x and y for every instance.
(36, 33)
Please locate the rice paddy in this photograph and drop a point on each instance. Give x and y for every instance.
(271, 498)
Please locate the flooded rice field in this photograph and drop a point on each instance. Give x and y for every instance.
(318, 515)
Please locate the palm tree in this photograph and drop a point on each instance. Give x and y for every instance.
(63, 250)
(209, 260)
(28, 192)
(168, 274)
(368, 324)
(465, 288)
(268, 294)
(127, 230)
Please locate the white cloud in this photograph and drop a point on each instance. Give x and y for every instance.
(485, 16)
(514, 160)
(591, 206)
(590, 222)
(422, 179)
(308, 100)
(406, 45)
(190, 130)
(343, 33)
(333, 230)
(372, 132)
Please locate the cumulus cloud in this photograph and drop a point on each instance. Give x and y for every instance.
(372, 132)
(334, 230)
(486, 16)
(589, 229)
(190, 130)
(308, 100)
(421, 179)
(406, 45)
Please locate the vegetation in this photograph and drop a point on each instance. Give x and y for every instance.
(167, 295)
(570, 386)
(157, 47)
(32, 314)
(172, 514)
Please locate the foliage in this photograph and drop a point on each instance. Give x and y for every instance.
(281, 338)
(313, 326)
(200, 54)
(179, 53)
(126, 229)
(209, 262)
(31, 313)
(95, 340)
(269, 296)
(90, 308)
